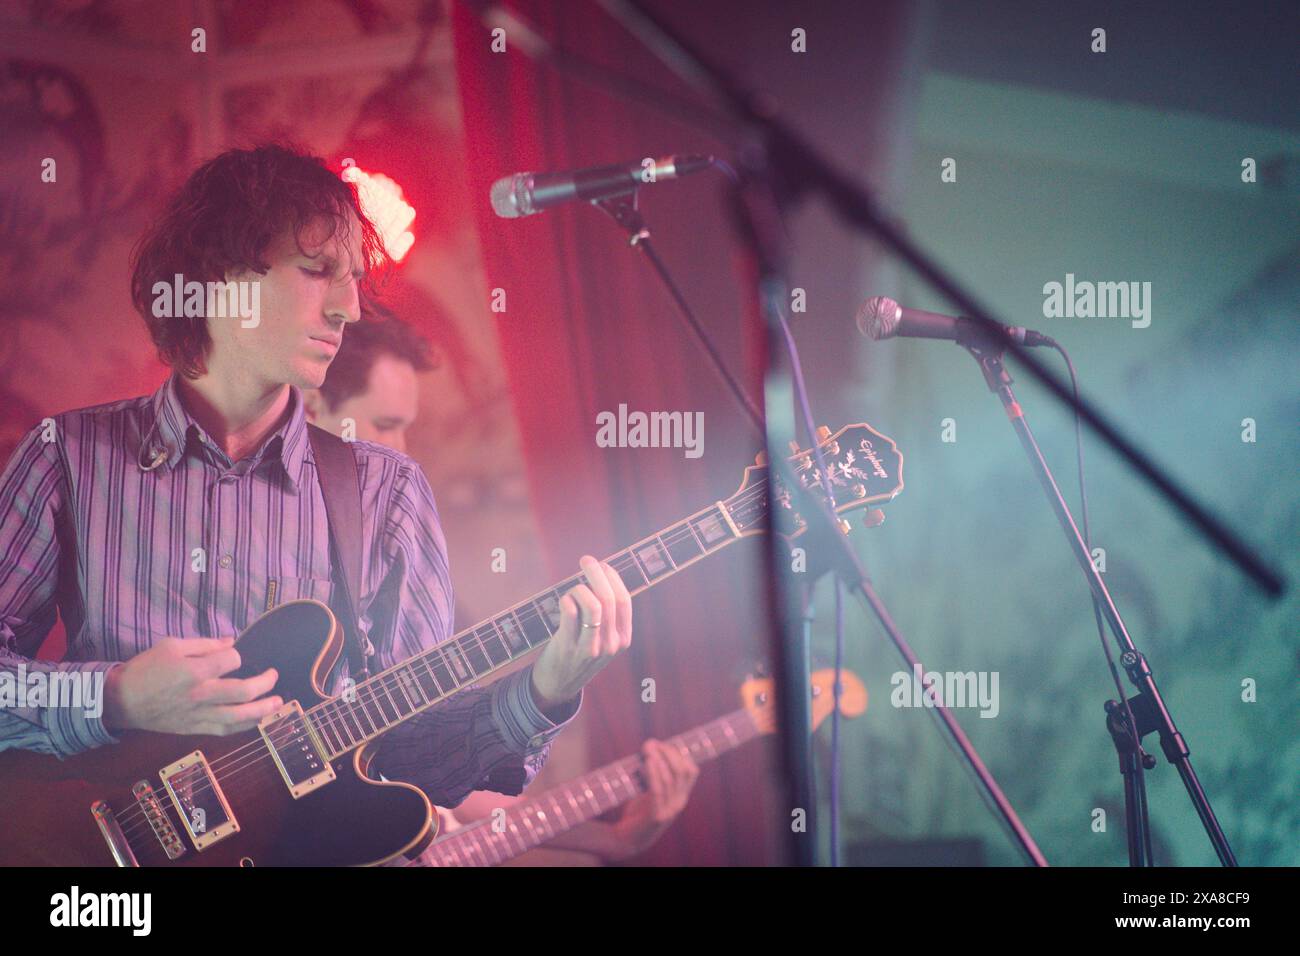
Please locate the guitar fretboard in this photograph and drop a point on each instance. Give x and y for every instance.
(379, 703)
(490, 841)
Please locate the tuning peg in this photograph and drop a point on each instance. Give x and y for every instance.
(844, 525)
(794, 447)
(874, 518)
(823, 433)
(760, 458)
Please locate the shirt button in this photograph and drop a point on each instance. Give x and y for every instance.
(225, 561)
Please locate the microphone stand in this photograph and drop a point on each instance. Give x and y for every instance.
(758, 216)
(793, 665)
(797, 166)
(1130, 720)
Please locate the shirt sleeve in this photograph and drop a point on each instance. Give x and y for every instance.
(482, 738)
(47, 707)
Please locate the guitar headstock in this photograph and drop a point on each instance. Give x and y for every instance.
(761, 703)
(865, 468)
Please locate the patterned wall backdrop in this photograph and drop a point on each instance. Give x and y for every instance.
(128, 107)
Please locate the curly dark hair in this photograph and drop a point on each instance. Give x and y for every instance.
(224, 218)
(380, 332)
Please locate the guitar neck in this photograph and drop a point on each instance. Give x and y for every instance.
(381, 702)
(494, 840)
(863, 466)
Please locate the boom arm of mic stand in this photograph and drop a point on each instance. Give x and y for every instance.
(792, 665)
(799, 164)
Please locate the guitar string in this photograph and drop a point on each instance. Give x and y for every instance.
(622, 773)
(465, 841)
(626, 773)
(460, 842)
(449, 855)
(747, 497)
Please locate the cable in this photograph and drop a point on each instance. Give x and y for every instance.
(1096, 605)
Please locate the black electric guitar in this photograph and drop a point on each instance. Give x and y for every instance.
(297, 790)
(511, 831)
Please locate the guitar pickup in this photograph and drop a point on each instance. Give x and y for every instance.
(297, 751)
(199, 800)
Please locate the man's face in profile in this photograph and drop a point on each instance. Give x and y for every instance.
(306, 298)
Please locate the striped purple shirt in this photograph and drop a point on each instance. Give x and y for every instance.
(199, 546)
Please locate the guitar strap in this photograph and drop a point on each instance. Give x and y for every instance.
(336, 469)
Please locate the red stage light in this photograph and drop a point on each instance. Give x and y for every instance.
(382, 200)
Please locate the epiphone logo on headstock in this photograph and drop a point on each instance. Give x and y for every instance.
(870, 455)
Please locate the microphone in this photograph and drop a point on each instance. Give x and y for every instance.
(881, 318)
(157, 454)
(524, 194)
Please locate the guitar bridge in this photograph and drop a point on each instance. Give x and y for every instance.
(198, 798)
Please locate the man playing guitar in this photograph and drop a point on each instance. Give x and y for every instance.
(160, 526)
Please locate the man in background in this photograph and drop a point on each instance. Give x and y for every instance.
(103, 509)
(371, 392)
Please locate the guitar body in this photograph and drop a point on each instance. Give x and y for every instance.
(46, 803)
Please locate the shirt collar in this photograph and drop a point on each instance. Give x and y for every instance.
(173, 427)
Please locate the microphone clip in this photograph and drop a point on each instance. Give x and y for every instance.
(159, 455)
